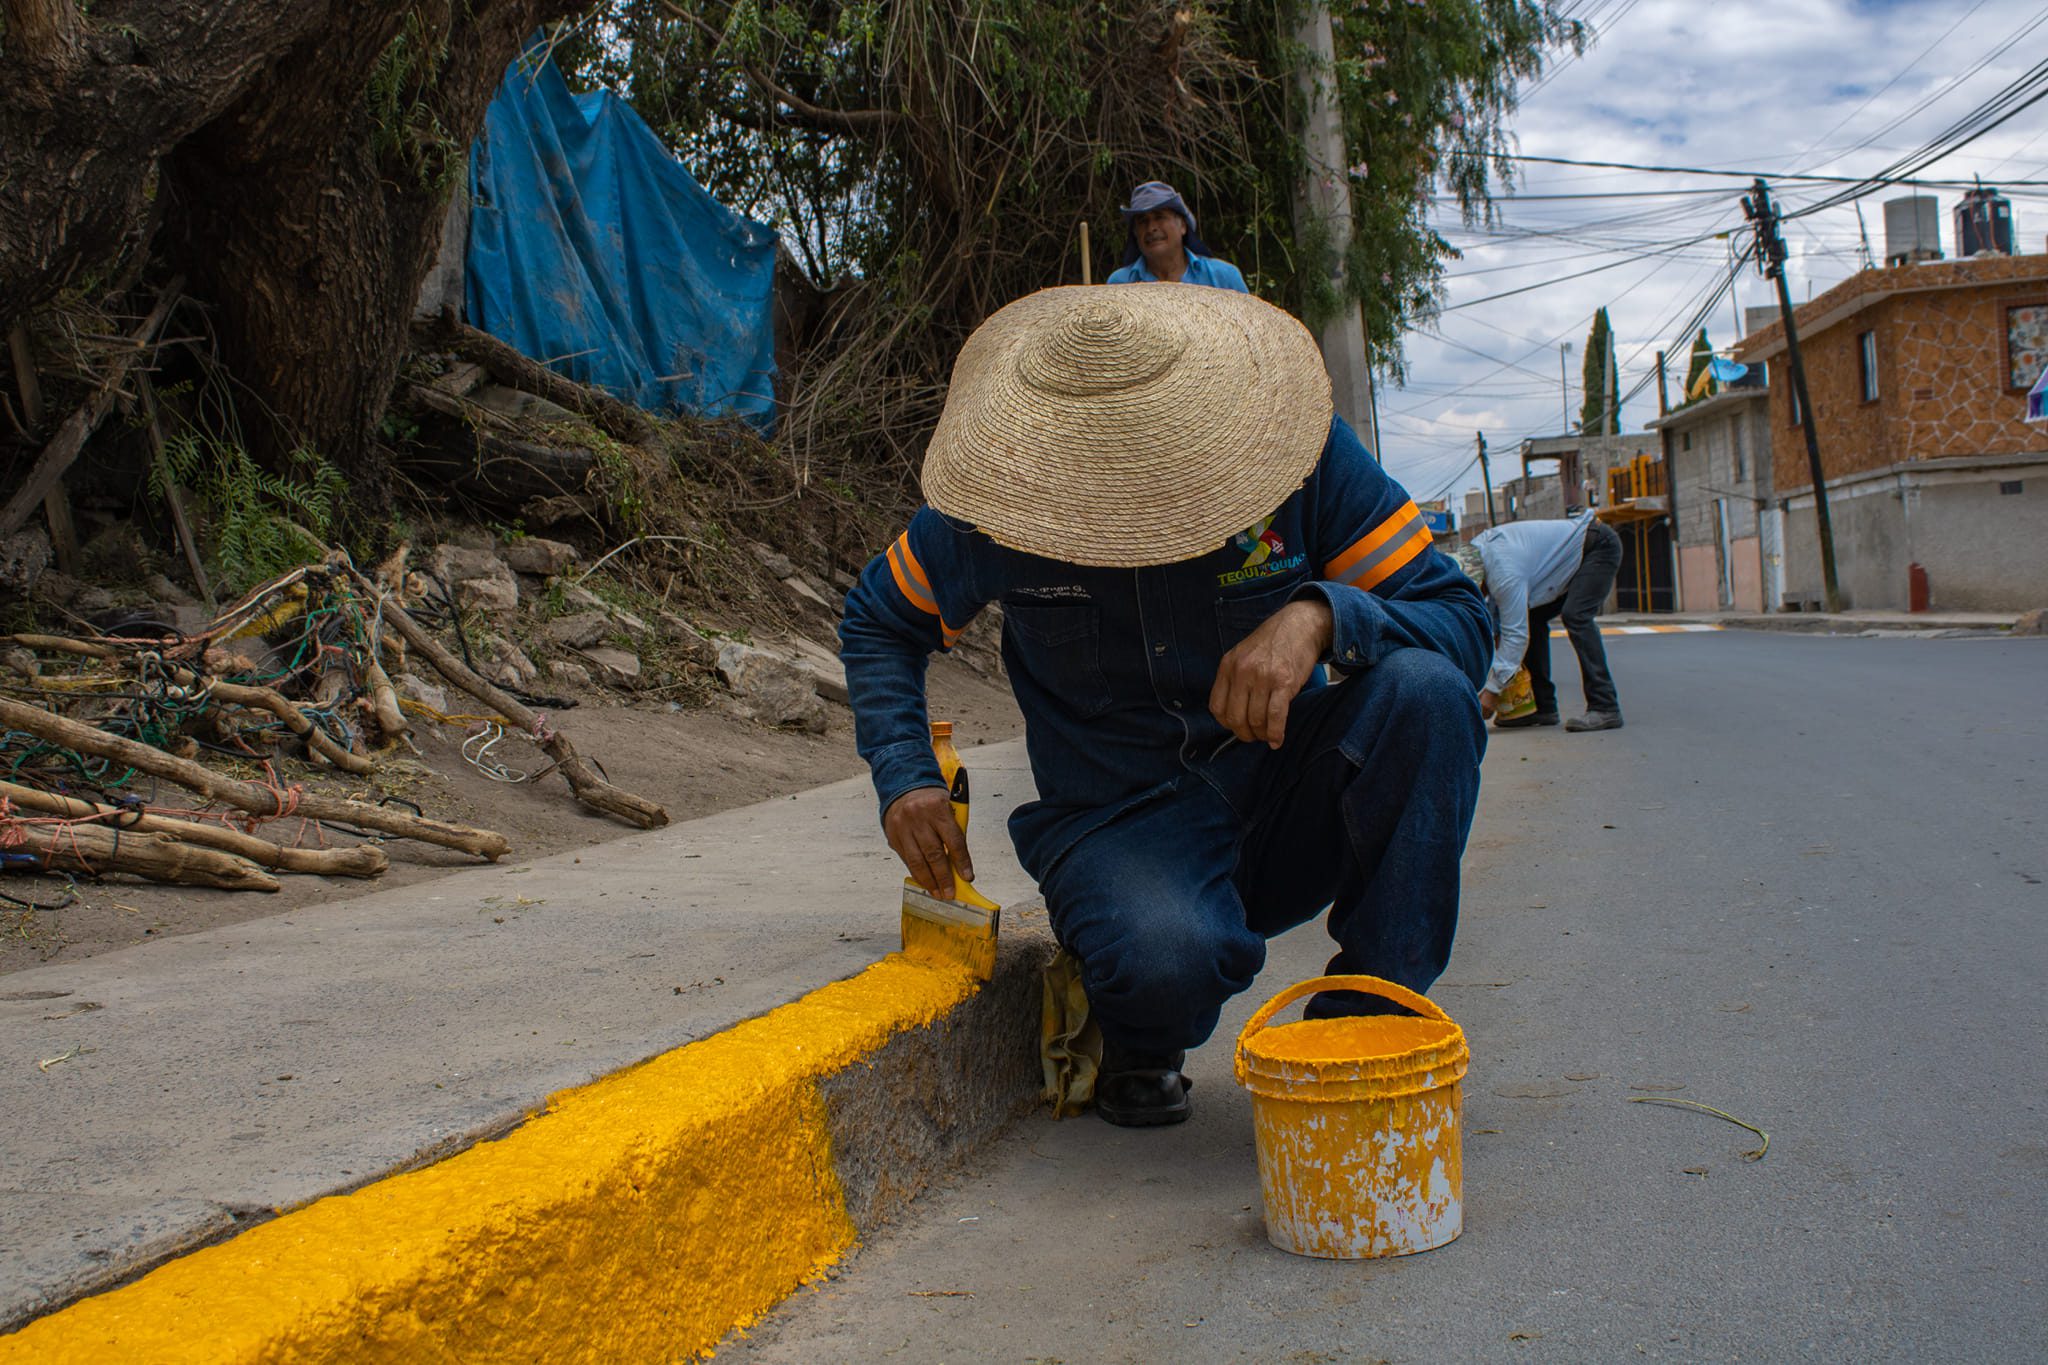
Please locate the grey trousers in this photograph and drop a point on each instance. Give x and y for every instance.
(1583, 597)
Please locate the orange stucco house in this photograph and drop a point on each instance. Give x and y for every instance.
(1937, 486)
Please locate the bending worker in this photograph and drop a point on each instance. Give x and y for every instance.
(1160, 243)
(1534, 572)
(1152, 484)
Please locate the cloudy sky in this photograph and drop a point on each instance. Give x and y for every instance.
(1782, 87)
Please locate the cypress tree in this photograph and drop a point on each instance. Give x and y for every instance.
(1600, 413)
(1702, 352)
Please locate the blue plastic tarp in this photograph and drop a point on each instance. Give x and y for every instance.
(591, 249)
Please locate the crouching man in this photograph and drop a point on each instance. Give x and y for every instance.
(1152, 484)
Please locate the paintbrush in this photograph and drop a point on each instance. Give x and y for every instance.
(963, 929)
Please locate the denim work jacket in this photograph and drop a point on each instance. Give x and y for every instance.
(1112, 667)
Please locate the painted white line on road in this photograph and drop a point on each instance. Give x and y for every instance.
(1683, 627)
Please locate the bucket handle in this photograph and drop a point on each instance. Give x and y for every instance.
(1370, 985)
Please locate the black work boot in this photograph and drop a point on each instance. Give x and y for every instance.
(1141, 1090)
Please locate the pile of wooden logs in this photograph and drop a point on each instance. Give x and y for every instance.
(66, 832)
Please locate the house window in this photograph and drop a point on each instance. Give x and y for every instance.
(1866, 365)
(1685, 440)
(1735, 443)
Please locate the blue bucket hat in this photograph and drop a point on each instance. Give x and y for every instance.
(1157, 194)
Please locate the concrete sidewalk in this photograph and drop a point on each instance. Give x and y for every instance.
(167, 1095)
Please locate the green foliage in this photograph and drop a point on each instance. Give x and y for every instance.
(259, 524)
(940, 151)
(1600, 381)
(406, 129)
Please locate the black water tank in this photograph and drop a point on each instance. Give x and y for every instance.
(1984, 223)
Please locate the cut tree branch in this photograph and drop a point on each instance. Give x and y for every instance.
(357, 860)
(261, 801)
(590, 789)
(508, 366)
(57, 456)
(159, 857)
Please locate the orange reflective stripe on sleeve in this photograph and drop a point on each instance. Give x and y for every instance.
(910, 576)
(916, 586)
(1383, 551)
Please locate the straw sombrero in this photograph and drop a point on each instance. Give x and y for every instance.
(1130, 424)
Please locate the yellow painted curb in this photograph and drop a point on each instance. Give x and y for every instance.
(639, 1218)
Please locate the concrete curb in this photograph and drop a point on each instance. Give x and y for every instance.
(1838, 625)
(643, 1216)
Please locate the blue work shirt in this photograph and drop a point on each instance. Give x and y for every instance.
(1112, 667)
(1201, 270)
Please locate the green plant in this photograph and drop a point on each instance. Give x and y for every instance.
(397, 427)
(1600, 381)
(406, 129)
(260, 524)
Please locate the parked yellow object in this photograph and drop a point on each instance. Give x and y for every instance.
(1357, 1122)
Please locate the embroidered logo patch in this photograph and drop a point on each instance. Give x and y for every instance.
(1259, 543)
(1265, 554)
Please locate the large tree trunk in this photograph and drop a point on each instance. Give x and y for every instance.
(89, 106)
(303, 202)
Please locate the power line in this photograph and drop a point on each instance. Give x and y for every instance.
(1901, 75)
(2003, 47)
(1767, 175)
(1576, 275)
(2011, 101)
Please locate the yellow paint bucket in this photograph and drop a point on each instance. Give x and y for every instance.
(1518, 698)
(1357, 1122)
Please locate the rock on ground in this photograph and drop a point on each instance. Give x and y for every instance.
(578, 630)
(478, 578)
(774, 688)
(537, 556)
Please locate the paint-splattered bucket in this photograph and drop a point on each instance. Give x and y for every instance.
(1518, 698)
(1357, 1123)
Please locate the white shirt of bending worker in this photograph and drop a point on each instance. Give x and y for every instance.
(1528, 563)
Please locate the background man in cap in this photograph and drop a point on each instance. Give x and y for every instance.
(1152, 484)
(1160, 243)
(1534, 572)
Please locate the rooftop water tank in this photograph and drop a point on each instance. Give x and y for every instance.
(1912, 229)
(1984, 223)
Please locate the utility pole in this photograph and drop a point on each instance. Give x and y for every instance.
(1663, 402)
(1372, 397)
(1485, 476)
(1322, 213)
(1564, 390)
(1770, 259)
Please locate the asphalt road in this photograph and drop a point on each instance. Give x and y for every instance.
(1808, 885)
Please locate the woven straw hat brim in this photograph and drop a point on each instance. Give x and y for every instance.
(1125, 425)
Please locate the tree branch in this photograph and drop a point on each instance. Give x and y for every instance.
(509, 366)
(839, 120)
(57, 456)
